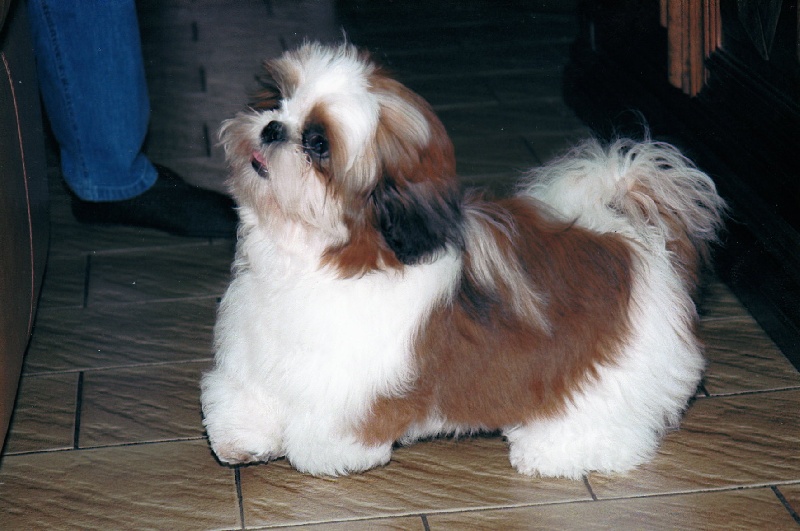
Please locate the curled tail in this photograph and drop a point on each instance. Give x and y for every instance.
(647, 191)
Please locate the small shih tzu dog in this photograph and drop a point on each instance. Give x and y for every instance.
(374, 303)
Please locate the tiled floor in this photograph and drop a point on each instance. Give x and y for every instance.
(107, 431)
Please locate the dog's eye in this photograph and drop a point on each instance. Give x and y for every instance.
(316, 144)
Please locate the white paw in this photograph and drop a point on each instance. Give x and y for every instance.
(567, 450)
(243, 426)
(532, 463)
(258, 440)
(235, 453)
(337, 457)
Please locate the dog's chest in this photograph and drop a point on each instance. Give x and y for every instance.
(333, 340)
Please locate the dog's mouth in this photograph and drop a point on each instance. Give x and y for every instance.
(259, 164)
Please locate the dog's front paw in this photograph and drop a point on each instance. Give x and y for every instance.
(243, 426)
(231, 454)
(243, 451)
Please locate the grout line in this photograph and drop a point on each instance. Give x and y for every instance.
(104, 446)
(467, 24)
(207, 140)
(78, 408)
(745, 316)
(786, 504)
(86, 276)
(702, 490)
(425, 522)
(491, 89)
(237, 477)
(478, 104)
(648, 495)
(496, 72)
(530, 148)
(268, 5)
(184, 244)
(153, 301)
(195, 32)
(111, 305)
(702, 388)
(751, 392)
(204, 359)
(589, 487)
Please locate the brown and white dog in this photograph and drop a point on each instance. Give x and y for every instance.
(373, 302)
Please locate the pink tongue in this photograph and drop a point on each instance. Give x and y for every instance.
(258, 157)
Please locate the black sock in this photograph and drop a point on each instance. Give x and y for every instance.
(171, 205)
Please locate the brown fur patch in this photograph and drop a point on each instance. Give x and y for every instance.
(278, 81)
(415, 165)
(481, 365)
(408, 152)
(365, 250)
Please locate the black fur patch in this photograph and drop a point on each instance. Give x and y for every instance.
(417, 220)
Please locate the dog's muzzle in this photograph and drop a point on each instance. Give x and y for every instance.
(259, 164)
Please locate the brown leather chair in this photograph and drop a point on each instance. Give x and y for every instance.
(24, 219)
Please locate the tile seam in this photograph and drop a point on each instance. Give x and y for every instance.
(706, 490)
(786, 504)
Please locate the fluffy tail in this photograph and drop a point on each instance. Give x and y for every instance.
(647, 191)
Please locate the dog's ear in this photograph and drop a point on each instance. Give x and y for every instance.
(276, 81)
(415, 219)
(417, 199)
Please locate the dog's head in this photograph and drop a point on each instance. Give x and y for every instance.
(356, 161)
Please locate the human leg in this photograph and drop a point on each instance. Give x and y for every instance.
(93, 85)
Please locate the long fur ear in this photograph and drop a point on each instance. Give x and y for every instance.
(417, 220)
(417, 200)
(276, 82)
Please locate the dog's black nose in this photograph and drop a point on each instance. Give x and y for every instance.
(273, 132)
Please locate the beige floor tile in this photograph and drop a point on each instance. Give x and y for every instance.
(405, 523)
(44, 415)
(187, 77)
(392, 43)
(719, 302)
(205, 172)
(552, 29)
(443, 62)
(548, 145)
(741, 357)
(532, 119)
(64, 283)
(792, 495)
(429, 476)
(70, 239)
(745, 440)
(493, 184)
(745, 510)
(159, 274)
(175, 136)
(154, 486)
(447, 93)
(501, 154)
(120, 335)
(141, 404)
(536, 84)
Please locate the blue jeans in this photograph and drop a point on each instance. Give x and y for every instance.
(91, 74)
